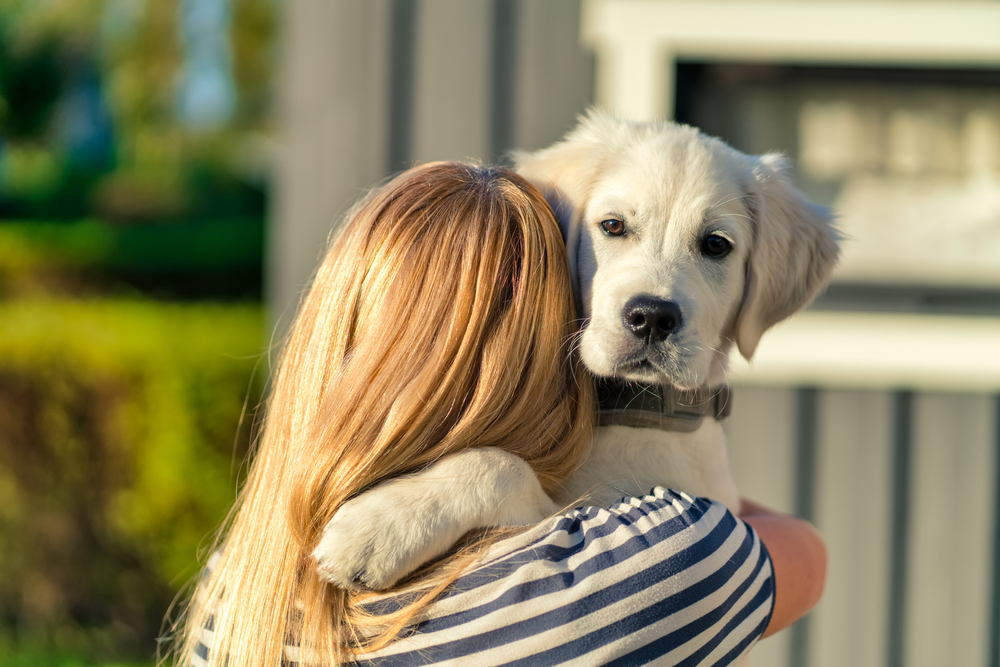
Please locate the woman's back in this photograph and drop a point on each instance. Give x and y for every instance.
(664, 579)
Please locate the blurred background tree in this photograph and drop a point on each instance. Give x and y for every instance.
(134, 110)
(135, 141)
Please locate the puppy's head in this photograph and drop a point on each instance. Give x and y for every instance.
(680, 246)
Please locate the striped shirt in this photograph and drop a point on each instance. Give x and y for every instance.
(666, 579)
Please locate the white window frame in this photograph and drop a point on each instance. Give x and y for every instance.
(637, 42)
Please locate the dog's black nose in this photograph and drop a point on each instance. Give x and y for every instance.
(650, 318)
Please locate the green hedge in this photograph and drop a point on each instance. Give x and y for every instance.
(120, 450)
(204, 259)
(221, 243)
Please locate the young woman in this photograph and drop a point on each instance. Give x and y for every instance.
(441, 319)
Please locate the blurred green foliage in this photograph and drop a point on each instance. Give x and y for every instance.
(17, 653)
(217, 257)
(121, 439)
(119, 454)
(109, 69)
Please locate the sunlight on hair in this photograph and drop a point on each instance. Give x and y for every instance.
(440, 319)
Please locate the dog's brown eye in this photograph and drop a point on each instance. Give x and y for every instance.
(613, 227)
(716, 246)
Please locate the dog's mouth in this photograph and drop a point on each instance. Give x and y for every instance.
(652, 366)
(626, 358)
(638, 368)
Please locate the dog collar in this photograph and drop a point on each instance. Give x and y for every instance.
(659, 406)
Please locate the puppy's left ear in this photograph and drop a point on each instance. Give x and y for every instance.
(795, 248)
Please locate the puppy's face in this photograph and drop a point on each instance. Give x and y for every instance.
(665, 235)
(680, 245)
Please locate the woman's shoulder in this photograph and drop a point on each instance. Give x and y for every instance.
(664, 525)
(645, 578)
(662, 514)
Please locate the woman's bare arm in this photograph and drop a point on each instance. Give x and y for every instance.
(798, 556)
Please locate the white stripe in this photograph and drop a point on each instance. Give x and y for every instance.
(750, 623)
(708, 605)
(615, 538)
(545, 531)
(704, 606)
(609, 615)
(682, 617)
(540, 569)
(600, 581)
(301, 656)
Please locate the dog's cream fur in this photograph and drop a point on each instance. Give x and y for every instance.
(671, 187)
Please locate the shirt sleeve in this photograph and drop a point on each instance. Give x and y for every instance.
(665, 577)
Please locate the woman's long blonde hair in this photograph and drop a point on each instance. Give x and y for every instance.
(440, 319)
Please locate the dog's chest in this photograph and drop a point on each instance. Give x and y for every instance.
(630, 461)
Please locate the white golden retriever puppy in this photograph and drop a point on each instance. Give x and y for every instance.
(680, 247)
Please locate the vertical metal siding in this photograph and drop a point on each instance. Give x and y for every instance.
(804, 482)
(555, 75)
(761, 435)
(888, 467)
(993, 629)
(951, 494)
(506, 41)
(369, 88)
(333, 112)
(401, 48)
(452, 80)
(854, 507)
(762, 445)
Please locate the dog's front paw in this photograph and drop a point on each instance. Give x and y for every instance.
(389, 531)
(368, 542)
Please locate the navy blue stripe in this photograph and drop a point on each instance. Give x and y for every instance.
(499, 568)
(614, 518)
(571, 525)
(664, 608)
(582, 607)
(738, 650)
(665, 530)
(762, 596)
(201, 651)
(598, 563)
(506, 565)
(774, 583)
(695, 628)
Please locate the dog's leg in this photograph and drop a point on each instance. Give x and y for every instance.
(392, 529)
